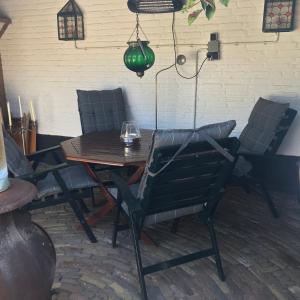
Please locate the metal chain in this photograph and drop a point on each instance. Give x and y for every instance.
(137, 26)
(137, 29)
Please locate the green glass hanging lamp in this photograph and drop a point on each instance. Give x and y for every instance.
(138, 57)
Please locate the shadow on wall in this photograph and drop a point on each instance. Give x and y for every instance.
(128, 111)
(291, 142)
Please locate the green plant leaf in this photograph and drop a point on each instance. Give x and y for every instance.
(225, 2)
(207, 3)
(194, 15)
(189, 4)
(209, 12)
(209, 7)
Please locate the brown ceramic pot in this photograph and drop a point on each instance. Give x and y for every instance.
(27, 258)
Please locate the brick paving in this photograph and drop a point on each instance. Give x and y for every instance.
(261, 255)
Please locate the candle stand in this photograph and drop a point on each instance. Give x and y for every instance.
(24, 131)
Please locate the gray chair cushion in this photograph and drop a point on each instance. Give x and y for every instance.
(101, 110)
(166, 215)
(17, 162)
(75, 177)
(179, 136)
(262, 124)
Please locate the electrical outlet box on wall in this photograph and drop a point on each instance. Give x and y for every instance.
(213, 47)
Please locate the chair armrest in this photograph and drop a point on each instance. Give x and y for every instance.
(42, 174)
(126, 194)
(260, 157)
(42, 152)
(39, 155)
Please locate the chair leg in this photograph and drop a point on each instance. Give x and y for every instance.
(216, 249)
(135, 239)
(175, 224)
(269, 200)
(245, 185)
(93, 197)
(115, 229)
(80, 217)
(83, 206)
(298, 192)
(298, 182)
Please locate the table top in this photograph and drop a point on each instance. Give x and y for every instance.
(106, 148)
(17, 195)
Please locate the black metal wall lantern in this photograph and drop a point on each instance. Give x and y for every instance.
(70, 22)
(155, 6)
(279, 15)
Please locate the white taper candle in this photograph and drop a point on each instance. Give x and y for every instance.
(32, 112)
(9, 114)
(20, 107)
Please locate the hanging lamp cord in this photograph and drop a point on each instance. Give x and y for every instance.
(175, 53)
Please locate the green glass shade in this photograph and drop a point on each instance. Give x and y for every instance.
(138, 60)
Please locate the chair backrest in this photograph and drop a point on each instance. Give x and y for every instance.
(264, 127)
(17, 162)
(101, 110)
(196, 176)
(282, 130)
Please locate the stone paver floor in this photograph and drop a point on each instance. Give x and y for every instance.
(261, 255)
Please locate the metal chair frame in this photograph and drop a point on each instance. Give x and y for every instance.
(72, 197)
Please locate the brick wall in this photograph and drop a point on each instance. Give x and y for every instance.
(38, 66)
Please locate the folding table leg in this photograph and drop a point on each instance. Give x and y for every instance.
(108, 206)
(111, 203)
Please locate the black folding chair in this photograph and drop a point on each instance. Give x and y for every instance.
(255, 177)
(101, 111)
(191, 184)
(56, 184)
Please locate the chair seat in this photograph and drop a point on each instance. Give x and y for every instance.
(162, 216)
(75, 177)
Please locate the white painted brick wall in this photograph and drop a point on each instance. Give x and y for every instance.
(38, 66)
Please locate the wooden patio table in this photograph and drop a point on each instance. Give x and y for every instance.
(106, 148)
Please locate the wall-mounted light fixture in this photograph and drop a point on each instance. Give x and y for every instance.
(70, 22)
(279, 15)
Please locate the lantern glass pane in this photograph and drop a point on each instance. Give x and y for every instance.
(71, 29)
(61, 27)
(79, 27)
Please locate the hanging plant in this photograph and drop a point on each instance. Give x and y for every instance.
(207, 6)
